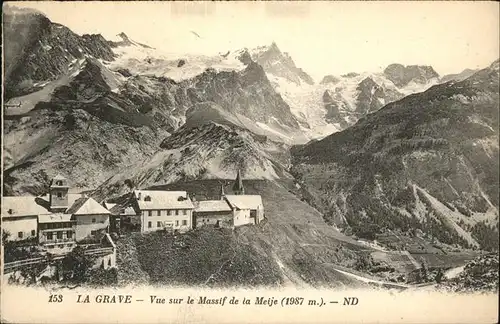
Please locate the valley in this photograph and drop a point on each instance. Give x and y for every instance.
(382, 178)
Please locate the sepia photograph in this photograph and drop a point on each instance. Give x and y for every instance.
(241, 149)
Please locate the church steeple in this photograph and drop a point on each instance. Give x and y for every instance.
(238, 188)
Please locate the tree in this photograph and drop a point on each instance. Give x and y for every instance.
(129, 183)
(77, 263)
(439, 276)
(424, 271)
(5, 236)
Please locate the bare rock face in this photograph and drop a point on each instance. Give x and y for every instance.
(337, 112)
(37, 50)
(206, 151)
(371, 96)
(279, 64)
(402, 75)
(368, 96)
(77, 97)
(329, 79)
(428, 161)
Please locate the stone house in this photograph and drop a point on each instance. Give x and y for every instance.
(212, 212)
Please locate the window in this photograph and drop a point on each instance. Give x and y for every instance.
(109, 262)
(33, 232)
(149, 225)
(93, 233)
(49, 236)
(61, 246)
(59, 235)
(158, 212)
(147, 198)
(20, 234)
(59, 195)
(184, 222)
(158, 224)
(69, 234)
(168, 212)
(176, 223)
(150, 213)
(59, 183)
(184, 212)
(93, 220)
(176, 212)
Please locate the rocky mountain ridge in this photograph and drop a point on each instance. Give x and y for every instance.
(278, 63)
(77, 92)
(434, 168)
(402, 75)
(38, 50)
(206, 151)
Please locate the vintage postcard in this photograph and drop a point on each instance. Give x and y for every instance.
(250, 162)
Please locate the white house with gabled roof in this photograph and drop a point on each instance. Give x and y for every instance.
(160, 209)
(91, 219)
(247, 209)
(57, 221)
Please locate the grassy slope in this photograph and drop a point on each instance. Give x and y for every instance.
(293, 246)
(443, 140)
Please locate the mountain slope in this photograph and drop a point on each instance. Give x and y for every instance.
(428, 161)
(38, 50)
(337, 102)
(84, 148)
(458, 76)
(296, 245)
(402, 75)
(205, 151)
(279, 64)
(79, 92)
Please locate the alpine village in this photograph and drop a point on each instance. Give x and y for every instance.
(125, 164)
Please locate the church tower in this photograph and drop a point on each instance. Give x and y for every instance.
(58, 194)
(238, 188)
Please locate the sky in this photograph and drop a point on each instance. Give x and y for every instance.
(321, 37)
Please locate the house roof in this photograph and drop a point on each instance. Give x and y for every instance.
(59, 177)
(72, 197)
(54, 218)
(211, 206)
(108, 206)
(119, 209)
(86, 206)
(161, 199)
(245, 201)
(18, 206)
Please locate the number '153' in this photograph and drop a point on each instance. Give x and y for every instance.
(55, 298)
